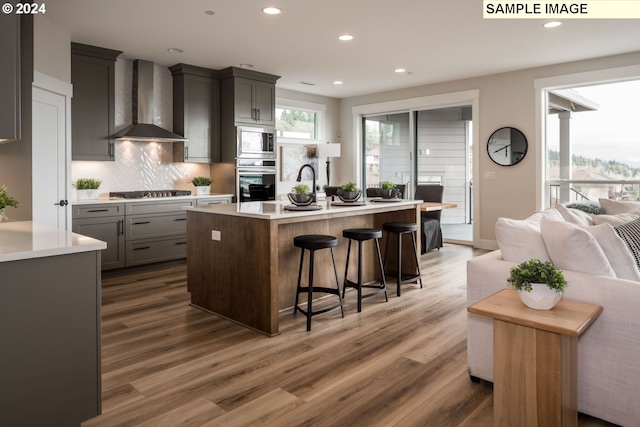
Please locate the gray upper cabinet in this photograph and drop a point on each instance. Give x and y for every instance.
(196, 114)
(10, 81)
(250, 97)
(93, 103)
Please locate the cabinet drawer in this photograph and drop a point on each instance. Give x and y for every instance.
(97, 210)
(143, 252)
(136, 208)
(144, 227)
(213, 201)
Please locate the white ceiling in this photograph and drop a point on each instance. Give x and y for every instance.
(434, 40)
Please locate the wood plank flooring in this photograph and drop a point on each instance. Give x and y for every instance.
(401, 363)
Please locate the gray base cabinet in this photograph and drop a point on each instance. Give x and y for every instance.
(10, 83)
(103, 222)
(50, 333)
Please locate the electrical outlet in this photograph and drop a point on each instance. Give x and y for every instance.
(216, 235)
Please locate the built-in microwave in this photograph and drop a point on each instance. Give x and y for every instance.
(256, 142)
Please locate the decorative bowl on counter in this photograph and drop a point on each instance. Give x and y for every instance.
(300, 199)
(349, 196)
(388, 193)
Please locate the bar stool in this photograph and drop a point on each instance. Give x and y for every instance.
(400, 229)
(360, 235)
(313, 242)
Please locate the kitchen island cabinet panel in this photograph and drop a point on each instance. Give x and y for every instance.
(250, 273)
(50, 334)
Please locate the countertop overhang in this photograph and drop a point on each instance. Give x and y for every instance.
(275, 210)
(26, 240)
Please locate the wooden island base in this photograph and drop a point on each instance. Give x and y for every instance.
(250, 274)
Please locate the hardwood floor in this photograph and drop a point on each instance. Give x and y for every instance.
(401, 363)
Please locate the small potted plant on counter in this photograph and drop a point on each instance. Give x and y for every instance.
(202, 184)
(87, 188)
(5, 201)
(300, 195)
(387, 190)
(539, 284)
(349, 192)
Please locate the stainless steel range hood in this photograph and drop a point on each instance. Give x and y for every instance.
(143, 129)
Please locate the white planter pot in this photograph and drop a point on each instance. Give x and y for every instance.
(203, 190)
(541, 297)
(87, 194)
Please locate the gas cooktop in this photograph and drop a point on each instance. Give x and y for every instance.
(147, 194)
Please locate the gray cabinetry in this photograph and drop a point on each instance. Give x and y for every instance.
(10, 81)
(196, 114)
(50, 335)
(247, 97)
(205, 201)
(103, 222)
(93, 103)
(156, 231)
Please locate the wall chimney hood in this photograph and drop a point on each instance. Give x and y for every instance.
(143, 129)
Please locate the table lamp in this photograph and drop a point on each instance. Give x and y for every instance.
(328, 150)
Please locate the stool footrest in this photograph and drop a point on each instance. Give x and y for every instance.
(406, 278)
(324, 310)
(381, 288)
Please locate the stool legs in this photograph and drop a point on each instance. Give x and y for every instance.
(359, 285)
(310, 289)
(399, 278)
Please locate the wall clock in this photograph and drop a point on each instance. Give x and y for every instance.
(507, 146)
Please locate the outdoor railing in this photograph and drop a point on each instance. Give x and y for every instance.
(571, 190)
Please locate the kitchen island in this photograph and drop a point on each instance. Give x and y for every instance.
(50, 300)
(242, 265)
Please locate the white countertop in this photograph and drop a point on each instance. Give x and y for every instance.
(106, 199)
(276, 209)
(26, 240)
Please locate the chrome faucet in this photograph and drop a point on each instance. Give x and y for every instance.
(313, 171)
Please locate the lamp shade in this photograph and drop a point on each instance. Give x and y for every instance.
(328, 150)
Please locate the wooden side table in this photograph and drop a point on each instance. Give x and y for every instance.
(535, 359)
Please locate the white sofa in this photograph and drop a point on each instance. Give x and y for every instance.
(608, 352)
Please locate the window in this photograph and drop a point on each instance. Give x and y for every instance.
(592, 144)
(292, 123)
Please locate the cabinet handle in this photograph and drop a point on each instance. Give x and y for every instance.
(186, 152)
(180, 219)
(121, 226)
(180, 243)
(142, 222)
(110, 150)
(258, 114)
(98, 210)
(142, 248)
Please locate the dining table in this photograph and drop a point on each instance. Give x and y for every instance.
(436, 206)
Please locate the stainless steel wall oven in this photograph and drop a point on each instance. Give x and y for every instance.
(255, 180)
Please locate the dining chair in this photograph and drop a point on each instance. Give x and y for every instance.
(430, 221)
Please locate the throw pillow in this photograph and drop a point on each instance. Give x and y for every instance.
(614, 207)
(630, 233)
(520, 240)
(617, 219)
(616, 251)
(574, 216)
(588, 207)
(572, 248)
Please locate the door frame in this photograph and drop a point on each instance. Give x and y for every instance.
(430, 102)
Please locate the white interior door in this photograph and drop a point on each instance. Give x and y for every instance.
(51, 162)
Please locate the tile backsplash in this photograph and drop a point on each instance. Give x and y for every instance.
(141, 166)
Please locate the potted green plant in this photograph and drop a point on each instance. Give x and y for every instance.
(202, 185)
(387, 190)
(539, 284)
(5, 201)
(300, 195)
(349, 192)
(87, 188)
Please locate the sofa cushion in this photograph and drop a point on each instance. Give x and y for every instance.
(573, 248)
(574, 216)
(615, 249)
(520, 240)
(630, 233)
(614, 207)
(616, 219)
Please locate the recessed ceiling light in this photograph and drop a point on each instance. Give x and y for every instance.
(337, 82)
(246, 65)
(400, 70)
(271, 10)
(552, 24)
(175, 50)
(209, 12)
(345, 37)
